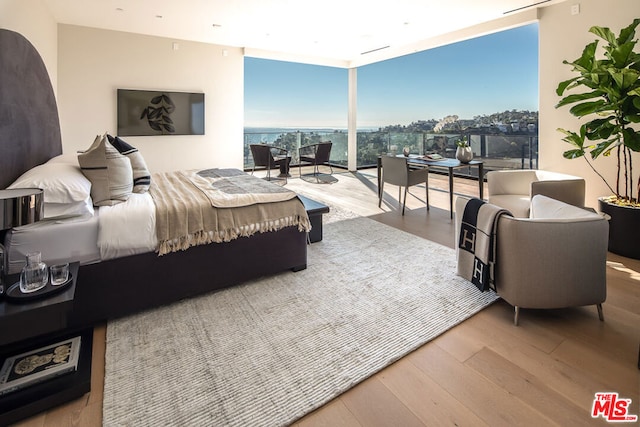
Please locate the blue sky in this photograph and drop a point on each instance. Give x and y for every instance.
(488, 74)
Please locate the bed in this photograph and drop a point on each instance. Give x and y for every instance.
(110, 286)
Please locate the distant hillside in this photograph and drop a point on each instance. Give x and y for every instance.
(512, 121)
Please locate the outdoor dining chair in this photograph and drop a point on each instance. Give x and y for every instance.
(396, 171)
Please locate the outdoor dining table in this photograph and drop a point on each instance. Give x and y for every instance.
(444, 163)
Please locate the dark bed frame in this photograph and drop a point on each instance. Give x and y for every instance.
(30, 135)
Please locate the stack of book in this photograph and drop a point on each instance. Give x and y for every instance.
(39, 365)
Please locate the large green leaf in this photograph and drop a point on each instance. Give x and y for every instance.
(627, 34)
(577, 140)
(562, 86)
(605, 33)
(621, 55)
(580, 110)
(631, 139)
(625, 79)
(570, 99)
(604, 147)
(600, 128)
(573, 154)
(586, 62)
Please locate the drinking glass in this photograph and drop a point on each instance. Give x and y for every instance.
(59, 274)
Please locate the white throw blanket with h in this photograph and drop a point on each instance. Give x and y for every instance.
(476, 244)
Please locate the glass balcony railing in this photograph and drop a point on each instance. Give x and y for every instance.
(497, 151)
(294, 139)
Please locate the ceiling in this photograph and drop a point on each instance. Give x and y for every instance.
(338, 31)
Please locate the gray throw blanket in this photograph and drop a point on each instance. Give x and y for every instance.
(233, 188)
(477, 243)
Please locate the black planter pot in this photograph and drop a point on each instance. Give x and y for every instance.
(624, 229)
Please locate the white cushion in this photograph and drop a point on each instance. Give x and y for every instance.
(141, 175)
(67, 192)
(65, 158)
(518, 205)
(543, 207)
(109, 171)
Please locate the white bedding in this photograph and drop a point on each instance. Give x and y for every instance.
(58, 241)
(127, 228)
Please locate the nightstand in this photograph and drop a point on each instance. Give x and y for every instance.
(29, 325)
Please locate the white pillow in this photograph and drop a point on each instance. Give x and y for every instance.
(109, 171)
(67, 192)
(71, 158)
(543, 207)
(67, 210)
(141, 175)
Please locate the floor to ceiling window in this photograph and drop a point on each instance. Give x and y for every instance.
(291, 104)
(483, 89)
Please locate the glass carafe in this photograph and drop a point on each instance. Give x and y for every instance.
(35, 274)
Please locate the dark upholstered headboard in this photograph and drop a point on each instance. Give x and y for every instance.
(29, 123)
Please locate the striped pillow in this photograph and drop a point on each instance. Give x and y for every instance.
(141, 175)
(109, 171)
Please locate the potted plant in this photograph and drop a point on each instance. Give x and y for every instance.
(463, 151)
(610, 102)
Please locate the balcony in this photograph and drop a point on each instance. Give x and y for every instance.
(498, 151)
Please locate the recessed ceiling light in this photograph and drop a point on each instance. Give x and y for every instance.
(119, 9)
(216, 25)
(159, 16)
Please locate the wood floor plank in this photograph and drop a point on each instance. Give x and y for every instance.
(425, 398)
(565, 378)
(68, 414)
(97, 366)
(459, 343)
(529, 388)
(614, 375)
(373, 405)
(493, 404)
(528, 330)
(333, 414)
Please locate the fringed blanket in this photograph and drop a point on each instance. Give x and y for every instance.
(185, 216)
(477, 243)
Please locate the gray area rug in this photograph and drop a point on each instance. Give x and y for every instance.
(269, 352)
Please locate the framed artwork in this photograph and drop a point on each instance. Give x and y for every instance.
(144, 112)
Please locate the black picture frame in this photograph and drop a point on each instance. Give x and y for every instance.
(148, 113)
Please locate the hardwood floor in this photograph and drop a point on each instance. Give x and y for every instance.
(485, 371)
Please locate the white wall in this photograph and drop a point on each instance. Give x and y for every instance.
(94, 63)
(563, 36)
(32, 19)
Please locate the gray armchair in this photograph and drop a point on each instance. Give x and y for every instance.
(396, 171)
(555, 259)
(513, 189)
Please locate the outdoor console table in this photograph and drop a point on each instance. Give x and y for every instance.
(449, 164)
